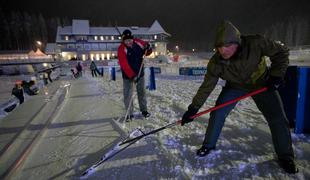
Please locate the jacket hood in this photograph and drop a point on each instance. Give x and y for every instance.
(227, 33)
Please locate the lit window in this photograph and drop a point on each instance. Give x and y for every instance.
(107, 37)
(96, 37)
(108, 56)
(97, 57)
(119, 37)
(101, 38)
(102, 56)
(155, 36)
(113, 54)
(112, 38)
(156, 45)
(83, 57)
(67, 38)
(92, 56)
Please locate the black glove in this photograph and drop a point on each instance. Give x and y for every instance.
(274, 83)
(186, 116)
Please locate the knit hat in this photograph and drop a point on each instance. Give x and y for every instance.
(227, 33)
(127, 35)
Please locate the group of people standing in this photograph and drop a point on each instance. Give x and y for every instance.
(238, 59)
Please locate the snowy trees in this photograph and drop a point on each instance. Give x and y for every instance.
(20, 30)
(293, 32)
(5, 34)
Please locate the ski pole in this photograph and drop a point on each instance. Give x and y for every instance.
(198, 114)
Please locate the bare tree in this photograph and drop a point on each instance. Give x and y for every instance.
(52, 25)
(294, 31)
(289, 37)
(42, 30)
(27, 30)
(301, 31)
(5, 34)
(16, 28)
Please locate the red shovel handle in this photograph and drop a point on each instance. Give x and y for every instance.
(227, 103)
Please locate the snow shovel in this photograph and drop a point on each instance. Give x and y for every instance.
(197, 115)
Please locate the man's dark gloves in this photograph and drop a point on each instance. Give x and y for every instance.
(188, 114)
(274, 83)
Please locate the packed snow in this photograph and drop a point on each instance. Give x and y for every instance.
(90, 123)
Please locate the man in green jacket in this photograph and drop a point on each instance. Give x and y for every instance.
(240, 60)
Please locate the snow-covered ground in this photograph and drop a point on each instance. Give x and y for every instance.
(89, 123)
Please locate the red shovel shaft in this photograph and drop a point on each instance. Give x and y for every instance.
(227, 103)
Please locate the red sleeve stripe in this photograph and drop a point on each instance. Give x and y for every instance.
(123, 62)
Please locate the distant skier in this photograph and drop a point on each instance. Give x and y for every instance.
(18, 92)
(130, 56)
(240, 61)
(93, 68)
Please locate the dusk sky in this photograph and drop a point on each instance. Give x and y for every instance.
(185, 20)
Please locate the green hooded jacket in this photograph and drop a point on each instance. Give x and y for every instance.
(247, 68)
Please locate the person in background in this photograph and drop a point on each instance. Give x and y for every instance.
(93, 68)
(49, 72)
(45, 78)
(79, 69)
(130, 57)
(240, 60)
(28, 87)
(18, 92)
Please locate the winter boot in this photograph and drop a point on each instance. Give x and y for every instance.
(203, 151)
(288, 166)
(146, 114)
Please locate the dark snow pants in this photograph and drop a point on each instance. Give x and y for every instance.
(93, 73)
(270, 104)
(128, 92)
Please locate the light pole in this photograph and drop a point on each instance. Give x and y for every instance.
(177, 48)
(39, 44)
